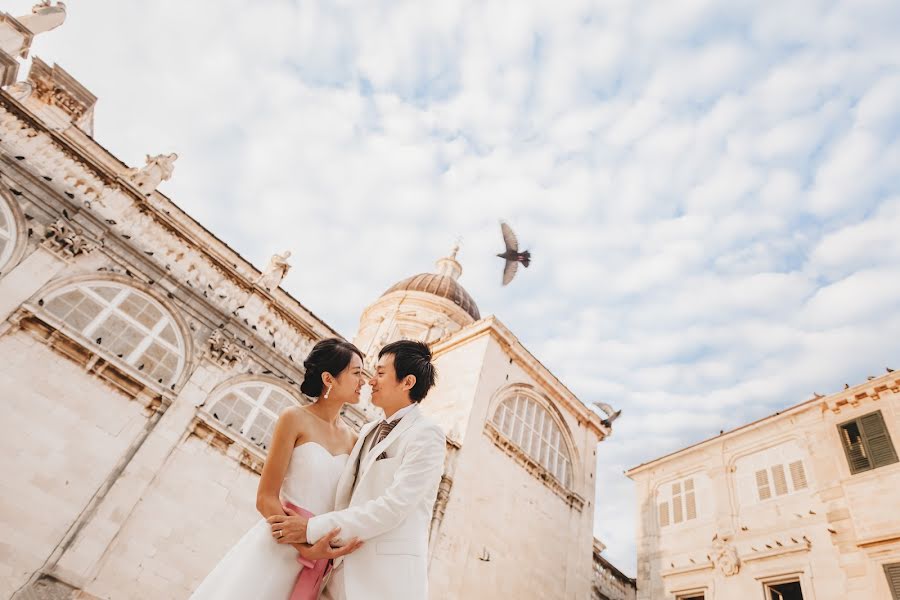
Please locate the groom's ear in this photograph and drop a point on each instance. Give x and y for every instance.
(409, 382)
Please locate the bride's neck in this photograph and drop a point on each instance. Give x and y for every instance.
(327, 409)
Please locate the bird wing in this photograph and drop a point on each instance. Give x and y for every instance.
(509, 271)
(509, 238)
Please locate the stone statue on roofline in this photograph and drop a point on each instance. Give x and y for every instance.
(44, 17)
(275, 271)
(159, 168)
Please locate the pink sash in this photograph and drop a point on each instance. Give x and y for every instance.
(313, 573)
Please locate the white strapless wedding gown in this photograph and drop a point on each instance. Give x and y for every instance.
(257, 566)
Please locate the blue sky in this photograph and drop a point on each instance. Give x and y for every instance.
(711, 190)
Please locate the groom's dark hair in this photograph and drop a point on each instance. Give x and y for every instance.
(412, 358)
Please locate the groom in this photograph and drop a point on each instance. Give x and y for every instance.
(386, 493)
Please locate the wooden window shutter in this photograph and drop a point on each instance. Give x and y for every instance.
(690, 501)
(663, 514)
(854, 447)
(892, 572)
(798, 475)
(881, 451)
(779, 479)
(677, 511)
(762, 484)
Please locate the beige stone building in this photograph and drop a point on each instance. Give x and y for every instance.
(609, 582)
(804, 504)
(143, 363)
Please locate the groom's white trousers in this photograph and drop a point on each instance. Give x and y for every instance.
(334, 590)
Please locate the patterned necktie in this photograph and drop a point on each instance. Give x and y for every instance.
(384, 428)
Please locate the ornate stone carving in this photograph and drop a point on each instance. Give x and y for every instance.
(66, 240)
(223, 349)
(724, 556)
(54, 87)
(440, 503)
(275, 271)
(159, 168)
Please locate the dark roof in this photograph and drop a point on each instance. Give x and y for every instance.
(441, 286)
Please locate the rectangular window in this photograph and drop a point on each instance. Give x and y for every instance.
(786, 590)
(867, 443)
(892, 572)
(692, 596)
(680, 506)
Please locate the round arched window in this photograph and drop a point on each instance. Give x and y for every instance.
(126, 323)
(531, 427)
(7, 233)
(250, 409)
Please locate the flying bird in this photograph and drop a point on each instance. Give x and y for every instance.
(512, 256)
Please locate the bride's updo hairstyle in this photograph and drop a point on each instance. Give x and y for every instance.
(328, 356)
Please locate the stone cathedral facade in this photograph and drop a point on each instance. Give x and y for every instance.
(143, 363)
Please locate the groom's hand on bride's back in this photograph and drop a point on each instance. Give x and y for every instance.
(291, 529)
(324, 549)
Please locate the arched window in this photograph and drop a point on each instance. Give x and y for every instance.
(7, 233)
(528, 425)
(125, 323)
(251, 409)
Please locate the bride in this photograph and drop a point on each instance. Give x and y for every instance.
(309, 448)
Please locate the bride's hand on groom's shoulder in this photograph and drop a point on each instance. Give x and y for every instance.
(324, 549)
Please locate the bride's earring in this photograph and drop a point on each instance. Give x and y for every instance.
(328, 391)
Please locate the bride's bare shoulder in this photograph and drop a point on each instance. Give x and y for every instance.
(295, 415)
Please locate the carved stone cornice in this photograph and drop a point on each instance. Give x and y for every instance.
(66, 240)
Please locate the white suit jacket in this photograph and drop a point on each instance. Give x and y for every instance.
(390, 509)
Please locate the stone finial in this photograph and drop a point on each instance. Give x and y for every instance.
(159, 168)
(275, 271)
(724, 556)
(449, 266)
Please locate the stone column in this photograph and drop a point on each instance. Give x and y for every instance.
(81, 556)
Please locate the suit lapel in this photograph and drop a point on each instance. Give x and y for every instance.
(405, 423)
(348, 477)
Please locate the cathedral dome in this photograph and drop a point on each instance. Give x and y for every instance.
(442, 284)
